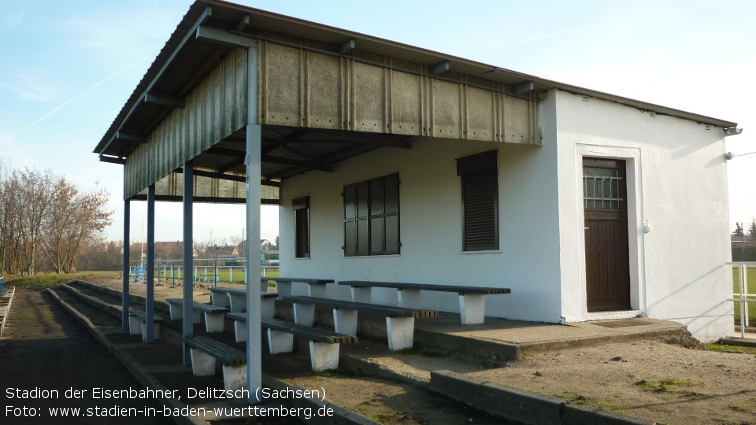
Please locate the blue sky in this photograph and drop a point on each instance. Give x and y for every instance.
(66, 69)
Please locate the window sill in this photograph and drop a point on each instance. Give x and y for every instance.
(486, 251)
(302, 258)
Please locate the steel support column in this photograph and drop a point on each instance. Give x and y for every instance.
(126, 268)
(188, 326)
(254, 172)
(149, 335)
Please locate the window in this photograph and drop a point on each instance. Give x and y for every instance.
(480, 201)
(371, 217)
(302, 226)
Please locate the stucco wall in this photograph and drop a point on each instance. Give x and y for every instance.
(677, 181)
(431, 227)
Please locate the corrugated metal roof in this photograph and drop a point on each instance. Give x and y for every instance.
(182, 70)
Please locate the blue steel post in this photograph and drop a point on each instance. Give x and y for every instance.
(126, 246)
(254, 172)
(149, 335)
(187, 326)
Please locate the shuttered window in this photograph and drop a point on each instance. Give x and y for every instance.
(302, 226)
(480, 201)
(371, 217)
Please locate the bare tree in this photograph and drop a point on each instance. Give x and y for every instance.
(46, 221)
(73, 219)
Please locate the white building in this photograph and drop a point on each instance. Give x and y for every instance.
(394, 163)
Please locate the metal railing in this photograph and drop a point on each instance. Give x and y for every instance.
(742, 296)
(203, 270)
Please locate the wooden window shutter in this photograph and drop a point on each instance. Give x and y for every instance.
(302, 226)
(480, 201)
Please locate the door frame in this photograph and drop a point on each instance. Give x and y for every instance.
(635, 233)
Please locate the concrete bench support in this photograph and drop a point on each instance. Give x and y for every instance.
(345, 321)
(214, 322)
(472, 309)
(409, 298)
(280, 341)
(234, 377)
(283, 289)
(203, 364)
(219, 299)
(304, 314)
(177, 312)
(240, 330)
(400, 332)
(138, 326)
(324, 356)
(205, 352)
(237, 303)
(361, 294)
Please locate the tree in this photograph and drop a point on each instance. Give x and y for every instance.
(752, 230)
(73, 220)
(738, 230)
(46, 221)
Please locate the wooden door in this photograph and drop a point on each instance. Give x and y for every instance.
(607, 259)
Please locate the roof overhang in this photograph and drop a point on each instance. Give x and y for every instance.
(187, 57)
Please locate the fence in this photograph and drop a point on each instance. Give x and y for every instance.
(744, 295)
(215, 270)
(743, 250)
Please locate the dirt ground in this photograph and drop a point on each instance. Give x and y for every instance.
(65, 356)
(657, 380)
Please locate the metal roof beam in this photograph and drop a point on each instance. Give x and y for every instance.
(173, 102)
(523, 87)
(347, 46)
(243, 22)
(439, 68)
(299, 164)
(112, 159)
(188, 36)
(217, 35)
(131, 137)
(204, 199)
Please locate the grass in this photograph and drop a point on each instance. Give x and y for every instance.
(722, 348)
(742, 407)
(41, 282)
(751, 289)
(224, 274)
(667, 385)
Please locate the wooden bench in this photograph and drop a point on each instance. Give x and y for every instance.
(205, 351)
(472, 299)
(236, 300)
(316, 287)
(138, 324)
(324, 344)
(214, 316)
(400, 321)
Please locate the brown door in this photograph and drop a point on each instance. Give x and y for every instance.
(607, 260)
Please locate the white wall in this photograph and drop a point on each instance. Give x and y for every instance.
(431, 227)
(677, 180)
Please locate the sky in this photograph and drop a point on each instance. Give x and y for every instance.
(67, 68)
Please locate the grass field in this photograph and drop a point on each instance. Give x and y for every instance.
(751, 278)
(224, 274)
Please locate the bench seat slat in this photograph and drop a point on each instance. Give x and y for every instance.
(200, 306)
(143, 315)
(462, 290)
(224, 353)
(314, 334)
(389, 311)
